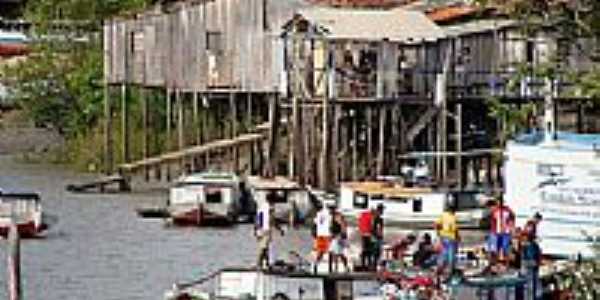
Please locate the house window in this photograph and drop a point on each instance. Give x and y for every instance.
(214, 41)
(550, 169)
(530, 51)
(361, 201)
(417, 205)
(214, 196)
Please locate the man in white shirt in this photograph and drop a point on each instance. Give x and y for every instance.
(263, 230)
(322, 225)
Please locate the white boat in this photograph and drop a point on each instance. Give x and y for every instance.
(292, 202)
(560, 178)
(283, 284)
(205, 198)
(410, 206)
(25, 210)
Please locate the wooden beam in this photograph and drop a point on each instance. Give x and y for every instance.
(355, 145)
(124, 123)
(369, 152)
(196, 118)
(234, 131)
(272, 157)
(145, 144)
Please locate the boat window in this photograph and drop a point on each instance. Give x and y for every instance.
(214, 196)
(361, 200)
(399, 199)
(550, 169)
(465, 200)
(417, 205)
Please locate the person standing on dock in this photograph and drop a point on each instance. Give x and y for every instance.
(377, 234)
(322, 223)
(530, 265)
(339, 241)
(365, 228)
(447, 230)
(502, 227)
(263, 230)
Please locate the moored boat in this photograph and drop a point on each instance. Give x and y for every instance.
(205, 199)
(411, 206)
(291, 202)
(25, 210)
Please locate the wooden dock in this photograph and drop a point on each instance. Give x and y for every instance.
(175, 156)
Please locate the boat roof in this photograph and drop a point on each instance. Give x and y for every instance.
(387, 189)
(302, 274)
(566, 141)
(275, 183)
(16, 196)
(210, 177)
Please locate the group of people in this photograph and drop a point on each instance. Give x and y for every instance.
(506, 244)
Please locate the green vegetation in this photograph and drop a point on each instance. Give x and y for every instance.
(60, 84)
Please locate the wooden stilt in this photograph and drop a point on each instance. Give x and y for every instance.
(335, 144)
(108, 140)
(272, 151)
(125, 123)
(355, 145)
(234, 131)
(369, 152)
(249, 122)
(381, 148)
(145, 144)
(196, 118)
(168, 125)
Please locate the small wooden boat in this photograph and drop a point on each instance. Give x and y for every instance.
(410, 206)
(24, 209)
(291, 202)
(205, 199)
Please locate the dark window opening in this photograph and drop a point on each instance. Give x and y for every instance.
(417, 205)
(530, 51)
(214, 196)
(361, 200)
(214, 41)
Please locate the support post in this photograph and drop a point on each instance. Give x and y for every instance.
(369, 152)
(14, 263)
(272, 157)
(168, 124)
(459, 145)
(325, 176)
(335, 145)
(124, 123)
(234, 131)
(108, 140)
(354, 145)
(196, 113)
(381, 150)
(145, 145)
(249, 110)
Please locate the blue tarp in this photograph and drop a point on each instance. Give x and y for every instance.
(567, 140)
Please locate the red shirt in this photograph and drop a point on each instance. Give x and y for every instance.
(503, 219)
(365, 222)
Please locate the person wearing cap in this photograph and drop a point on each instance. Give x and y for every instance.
(322, 222)
(377, 234)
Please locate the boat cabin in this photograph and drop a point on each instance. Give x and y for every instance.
(417, 206)
(249, 283)
(198, 197)
(25, 210)
(291, 201)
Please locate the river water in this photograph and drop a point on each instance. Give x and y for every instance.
(99, 248)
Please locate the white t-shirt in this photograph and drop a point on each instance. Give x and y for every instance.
(264, 217)
(323, 222)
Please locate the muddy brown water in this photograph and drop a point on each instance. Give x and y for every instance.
(99, 248)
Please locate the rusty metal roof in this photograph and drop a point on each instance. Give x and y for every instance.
(451, 13)
(398, 25)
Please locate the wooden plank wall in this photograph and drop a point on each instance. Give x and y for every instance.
(169, 48)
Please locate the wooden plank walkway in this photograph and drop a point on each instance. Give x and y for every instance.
(170, 157)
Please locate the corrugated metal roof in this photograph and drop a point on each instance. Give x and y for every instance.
(449, 13)
(477, 27)
(398, 24)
